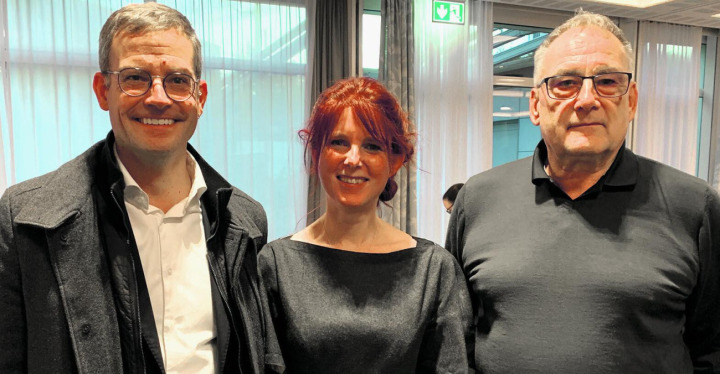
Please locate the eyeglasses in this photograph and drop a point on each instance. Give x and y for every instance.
(137, 82)
(449, 210)
(565, 87)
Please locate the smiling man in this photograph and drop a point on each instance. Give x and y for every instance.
(136, 256)
(587, 258)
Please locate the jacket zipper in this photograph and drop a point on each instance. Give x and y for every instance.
(222, 291)
(135, 288)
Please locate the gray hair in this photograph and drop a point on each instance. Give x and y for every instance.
(582, 18)
(142, 18)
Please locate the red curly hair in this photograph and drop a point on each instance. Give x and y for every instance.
(376, 108)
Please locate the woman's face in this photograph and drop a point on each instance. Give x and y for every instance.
(353, 166)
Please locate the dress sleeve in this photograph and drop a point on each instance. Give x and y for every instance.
(268, 291)
(12, 324)
(702, 329)
(448, 344)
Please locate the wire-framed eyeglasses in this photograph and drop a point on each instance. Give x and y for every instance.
(137, 82)
(565, 87)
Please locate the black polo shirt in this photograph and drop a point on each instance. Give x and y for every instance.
(623, 279)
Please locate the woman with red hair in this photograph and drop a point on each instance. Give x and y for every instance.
(350, 293)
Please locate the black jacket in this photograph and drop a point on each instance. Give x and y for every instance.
(72, 291)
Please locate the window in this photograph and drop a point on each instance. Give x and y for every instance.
(705, 165)
(514, 136)
(371, 30)
(255, 63)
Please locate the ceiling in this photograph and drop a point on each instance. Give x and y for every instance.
(686, 12)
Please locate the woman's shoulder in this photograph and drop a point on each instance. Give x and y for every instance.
(428, 245)
(285, 244)
(439, 255)
(275, 247)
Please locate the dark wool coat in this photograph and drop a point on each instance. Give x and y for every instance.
(58, 291)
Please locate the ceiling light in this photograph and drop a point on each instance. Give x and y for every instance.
(633, 3)
(505, 108)
(716, 15)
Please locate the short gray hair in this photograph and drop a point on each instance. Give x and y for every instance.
(582, 18)
(142, 18)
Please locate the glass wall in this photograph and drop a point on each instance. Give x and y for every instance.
(514, 136)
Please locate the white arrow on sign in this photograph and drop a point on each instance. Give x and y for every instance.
(441, 11)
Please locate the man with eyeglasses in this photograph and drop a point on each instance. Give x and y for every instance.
(448, 198)
(136, 256)
(587, 258)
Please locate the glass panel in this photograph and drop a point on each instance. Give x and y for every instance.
(514, 49)
(514, 136)
(371, 44)
(703, 62)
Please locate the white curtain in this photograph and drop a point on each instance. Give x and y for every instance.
(666, 125)
(453, 101)
(255, 56)
(49, 113)
(4, 91)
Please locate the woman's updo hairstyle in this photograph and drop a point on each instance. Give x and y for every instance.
(376, 108)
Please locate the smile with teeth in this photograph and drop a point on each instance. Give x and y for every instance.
(351, 180)
(156, 121)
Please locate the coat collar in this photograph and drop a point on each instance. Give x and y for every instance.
(64, 194)
(68, 189)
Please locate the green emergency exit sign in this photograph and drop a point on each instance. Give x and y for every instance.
(448, 12)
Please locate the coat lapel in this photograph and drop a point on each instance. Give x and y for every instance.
(85, 289)
(67, 216)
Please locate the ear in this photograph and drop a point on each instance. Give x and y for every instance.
(202, 96)
(396, 162)
(101, 87)
(534, 102)
(633, 99)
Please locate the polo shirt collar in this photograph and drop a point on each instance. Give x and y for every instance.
(622, 173)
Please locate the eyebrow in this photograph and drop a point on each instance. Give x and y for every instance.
(598, 70)
(166, 72)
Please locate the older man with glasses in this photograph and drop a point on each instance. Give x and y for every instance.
(587, 258)
(136, 256)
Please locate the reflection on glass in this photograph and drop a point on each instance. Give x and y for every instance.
(514, 136)
(514, 49)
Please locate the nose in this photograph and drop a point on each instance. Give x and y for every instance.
(158, 97)
(587, 97)
(352, 157)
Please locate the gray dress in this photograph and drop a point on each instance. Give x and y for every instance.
(336, 311)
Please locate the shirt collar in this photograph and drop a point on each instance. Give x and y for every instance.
(135, 195)
(622, 173)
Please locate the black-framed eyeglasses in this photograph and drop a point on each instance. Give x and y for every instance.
(449, 210)
(565, 87)
(137, 82)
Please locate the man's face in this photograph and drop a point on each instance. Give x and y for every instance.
(151, 125)
(588, 126)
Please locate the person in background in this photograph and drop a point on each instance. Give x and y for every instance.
(450, 195)
(587, 258)
(350, 293)
(136, 256)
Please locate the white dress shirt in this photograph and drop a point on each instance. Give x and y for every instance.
(173, 253)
